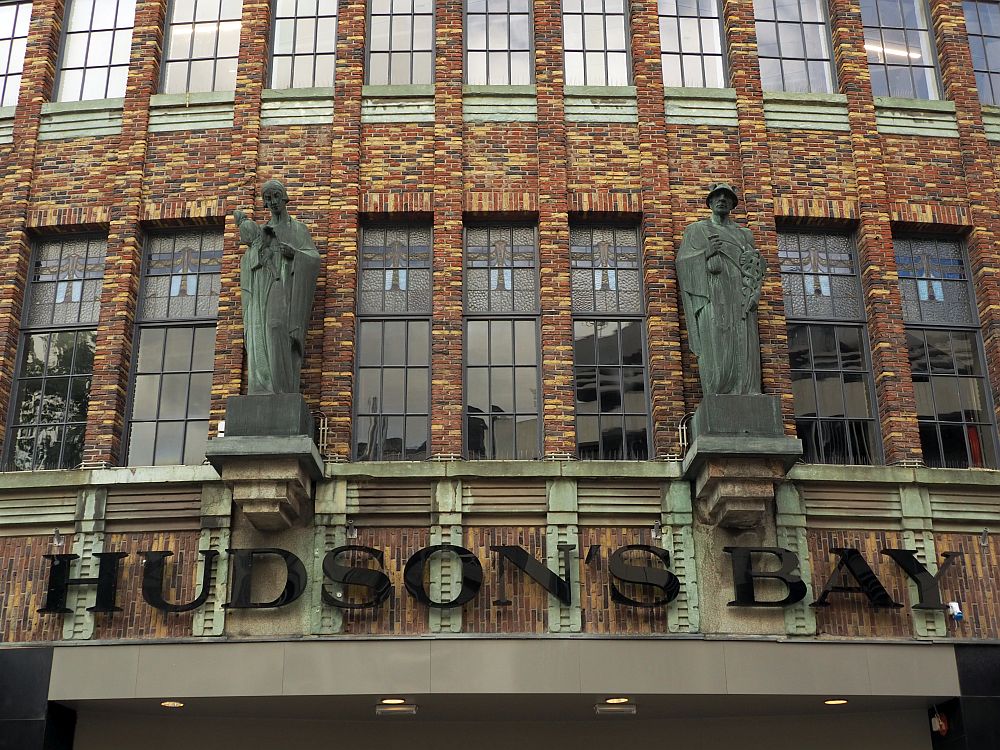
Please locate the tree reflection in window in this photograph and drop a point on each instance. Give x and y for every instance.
(52, 389)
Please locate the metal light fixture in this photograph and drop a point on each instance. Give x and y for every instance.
(615, 709)
(57, 538)
(403, 709)
(657, 532)
(352, 530)
(984, 538)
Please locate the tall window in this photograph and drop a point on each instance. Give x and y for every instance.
(828, 349)
(401, 42)
(176, 348)
(982, 20)
(596, 42)
(900, 48)
(946, 357)
(14, 20)
(612, 409)
(305, 40)
(52, 388)
(202, 46)
(392, 398)
(498, 42)
(793, 45)
(502, 391)
(691, 43)
(96, 49)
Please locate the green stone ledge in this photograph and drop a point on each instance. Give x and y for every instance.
(788, 110)
(283, 107)
(991, 120)
(601, 104)
(499, 104)
(926, 117)
(696, 106)
(656, 470)
(94, 118)
(195, 111)
(383, 104)
(7, 125)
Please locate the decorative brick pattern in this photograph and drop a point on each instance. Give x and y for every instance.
(24, 576)
(529, 609)
(973, 583)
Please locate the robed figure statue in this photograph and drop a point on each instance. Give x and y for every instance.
(278, 281)
(720, 273)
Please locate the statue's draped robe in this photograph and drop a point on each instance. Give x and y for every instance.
(277, 302)
(720, 294)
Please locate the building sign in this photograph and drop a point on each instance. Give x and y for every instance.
(640, 569)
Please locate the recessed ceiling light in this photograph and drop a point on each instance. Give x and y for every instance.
(171, 704)
(835, 701)
(393, 701)
(613, 701)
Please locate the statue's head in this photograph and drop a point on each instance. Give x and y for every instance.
(274, 194)
(718, 191)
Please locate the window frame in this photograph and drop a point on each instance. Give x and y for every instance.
(507, 51)
(165, 61)
(382, 317)
(138, 325)
(6, 75)
(366, 78)
(994, 90)
(975, 328)
(727, 79)
(535, 317)
(271, 33)
(60, 58)
(859, 322)
(617, 317)
(605, 51)
(935, 65)
(832, 61)
(49, 328)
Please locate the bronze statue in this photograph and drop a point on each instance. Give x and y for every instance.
(278, 281)
(720, 273)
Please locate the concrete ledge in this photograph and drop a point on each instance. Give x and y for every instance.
(991, 119)
(280, 107)
(713, 107)
(895, 116)
(200, 111)
(795, 111)
(601, 104)
(499, 104)
(397, 104)
(500, 469)
(88, 119)
(300, 447)
(7, 125)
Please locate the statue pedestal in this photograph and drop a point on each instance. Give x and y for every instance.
(268, 458)
(738, 452)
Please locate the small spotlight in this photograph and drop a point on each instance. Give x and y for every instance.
(393, 701)
(835, 701)
(171, 704)
(352, 531)
(614, 701)
(620, 709)
(402, 709)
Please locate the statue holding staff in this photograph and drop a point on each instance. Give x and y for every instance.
(277, 281)
(720, 273)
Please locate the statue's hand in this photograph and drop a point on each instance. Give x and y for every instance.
(287, 250)
(714, 264)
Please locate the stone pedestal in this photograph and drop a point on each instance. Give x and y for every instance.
(268, 458)
(738, 453)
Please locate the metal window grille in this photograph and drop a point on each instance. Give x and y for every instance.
(96, 49)
(982, 21)
(691, 52)
(595, 39)
(202, 46)
(52, 389)
(304, 43)
(498, 42)
(612, 404)
(954, 408)
(14, 20)
(828, 349)
(400, 42)
(176, 349)
(392, 397)
(901, 56)
(794, 45)
(502, 385)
